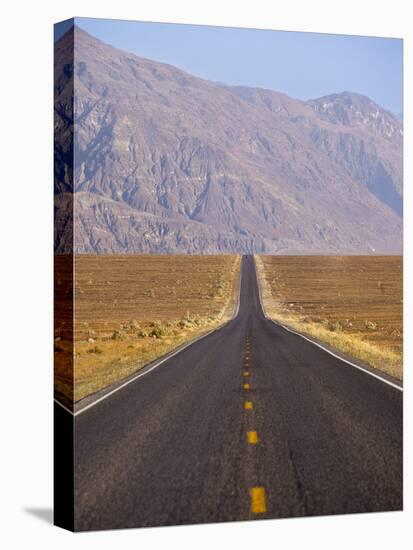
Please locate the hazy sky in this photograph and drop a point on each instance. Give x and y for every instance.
(302, 65)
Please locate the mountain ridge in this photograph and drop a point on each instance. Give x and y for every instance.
(218, 168)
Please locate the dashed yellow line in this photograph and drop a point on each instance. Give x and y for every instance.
(252, 437)
(257, 494)
(258, 500)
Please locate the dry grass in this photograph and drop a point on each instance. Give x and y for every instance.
(129, 310)
(353, 303)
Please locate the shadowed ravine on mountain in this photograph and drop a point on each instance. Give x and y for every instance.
(167, 162)
(250, 422)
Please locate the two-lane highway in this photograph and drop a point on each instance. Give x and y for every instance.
(251, 421)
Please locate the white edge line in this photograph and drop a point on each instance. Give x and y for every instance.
(400, 388)
(239, 289)
(93, 403)
(63, 406)
(388, 382)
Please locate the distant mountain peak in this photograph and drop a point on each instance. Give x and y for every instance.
(353, 109)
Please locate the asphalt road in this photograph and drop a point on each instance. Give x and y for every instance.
(250, 422)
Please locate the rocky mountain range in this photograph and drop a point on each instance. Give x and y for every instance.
(149, 158)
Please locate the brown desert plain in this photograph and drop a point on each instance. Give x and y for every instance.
(132, 309)
(352, 303)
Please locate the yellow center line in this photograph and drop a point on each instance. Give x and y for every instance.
(247, 386)
(248, 405)
(258, 500)
(252, 437)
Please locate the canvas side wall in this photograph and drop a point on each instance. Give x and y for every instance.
(63, 276)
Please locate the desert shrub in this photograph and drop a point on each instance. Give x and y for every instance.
(370, 325)
(219, 283)
(95, 349)
(156, 332)
(186, 321)
(333, 326)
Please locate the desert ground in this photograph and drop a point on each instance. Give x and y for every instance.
(353, 303)
(129, 310)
